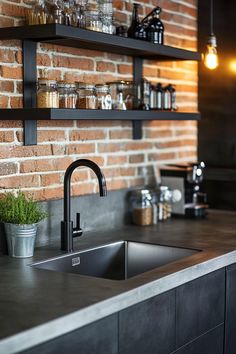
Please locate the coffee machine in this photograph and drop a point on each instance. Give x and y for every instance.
(186, 178)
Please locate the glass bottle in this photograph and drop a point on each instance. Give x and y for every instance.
(155, 29)
(167, 98)
(172, 97)
(159, 96)
(134, 22)
(144, 95)
(105, 13)
(153, 97)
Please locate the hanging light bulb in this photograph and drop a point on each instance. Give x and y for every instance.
(211, 60)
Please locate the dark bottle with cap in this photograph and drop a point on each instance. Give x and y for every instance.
(155, 29)
(134, 22)
(159, 97)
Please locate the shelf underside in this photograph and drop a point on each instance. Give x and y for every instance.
(82, 114)
(80, 38)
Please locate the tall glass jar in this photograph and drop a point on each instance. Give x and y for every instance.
(105, 13)
(104, 100)
(87, 96)
(93, 21)
(142, 208)
(67, 94)
(47, 94)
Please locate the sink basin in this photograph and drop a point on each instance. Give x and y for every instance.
(118, 261)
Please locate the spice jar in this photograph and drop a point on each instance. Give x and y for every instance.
(104, 100)
(87, 96)
(164, 203)
(47, 94)
(142, 209)
(67, 94)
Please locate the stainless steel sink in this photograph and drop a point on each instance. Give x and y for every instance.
(118, 261)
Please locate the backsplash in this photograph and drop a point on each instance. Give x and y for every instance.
(40, 169)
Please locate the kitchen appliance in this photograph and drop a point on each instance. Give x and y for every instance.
(186, 178)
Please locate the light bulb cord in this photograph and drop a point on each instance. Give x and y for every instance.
(211, 18)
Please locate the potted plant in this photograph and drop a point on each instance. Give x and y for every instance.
(20, 216)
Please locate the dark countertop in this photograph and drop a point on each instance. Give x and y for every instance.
(37, 305)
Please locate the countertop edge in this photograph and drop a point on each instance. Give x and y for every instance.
(75, 320)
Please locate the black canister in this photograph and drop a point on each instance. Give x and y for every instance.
(155, 29)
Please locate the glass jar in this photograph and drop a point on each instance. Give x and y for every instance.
(105, 14)
(55, 11)
(93, 21)
(36, 14)
(142, 208)
(47, 94)
(67, 94)
(103, 97)
(164, 203)
(87, 96)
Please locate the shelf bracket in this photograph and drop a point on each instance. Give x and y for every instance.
(137, 77)
(29, 49)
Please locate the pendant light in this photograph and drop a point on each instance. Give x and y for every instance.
(211, 58)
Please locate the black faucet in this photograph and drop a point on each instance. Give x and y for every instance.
(67, 229)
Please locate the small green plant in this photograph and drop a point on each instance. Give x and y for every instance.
(20, 210)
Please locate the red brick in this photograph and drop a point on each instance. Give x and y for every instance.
(105, 66)
(116, 160)
(82, 135)
(11, 72)
(74, 63)
(136, 158)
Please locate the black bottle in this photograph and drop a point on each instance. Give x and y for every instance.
(134, 22)
(155, 29)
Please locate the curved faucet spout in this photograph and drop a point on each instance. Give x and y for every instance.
(67, 229)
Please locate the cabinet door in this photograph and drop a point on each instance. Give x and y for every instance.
(97, 338)
(148, 327)
(209, 343)
(199, 306)
(230, 313)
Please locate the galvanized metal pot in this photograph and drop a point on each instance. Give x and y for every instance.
(20, 239)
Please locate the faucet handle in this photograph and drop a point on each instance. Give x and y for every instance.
(77, 231)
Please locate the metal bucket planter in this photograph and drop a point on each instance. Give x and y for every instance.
(20, 239)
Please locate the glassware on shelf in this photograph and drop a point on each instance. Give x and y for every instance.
(55, 11)
(144, 95)
(36, 14)
(159, 97)
(47, 93)
(87, 96)
(67, 94)
(123, 94)
(92, 18)
(105, 14)
(103, 97)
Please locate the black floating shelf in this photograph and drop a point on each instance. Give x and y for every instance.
(83, 114)
(81, 38)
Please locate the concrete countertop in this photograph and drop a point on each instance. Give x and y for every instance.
(38, 305)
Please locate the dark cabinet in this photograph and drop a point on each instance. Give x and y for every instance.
(230, 313)
(148, 327)
(208, 343)
(199, 306)
(97, 338)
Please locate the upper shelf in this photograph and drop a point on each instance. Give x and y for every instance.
(81, 38)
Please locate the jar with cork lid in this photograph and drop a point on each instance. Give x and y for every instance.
(142, 207)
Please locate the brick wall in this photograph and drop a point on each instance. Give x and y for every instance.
(125, 162)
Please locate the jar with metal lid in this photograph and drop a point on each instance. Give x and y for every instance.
(164, 203)
(87, 96)
(67, 94)
(104, 100)
(142, 209)
(47, 94)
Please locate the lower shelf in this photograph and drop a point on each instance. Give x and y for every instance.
(31, 115)
(83, 114)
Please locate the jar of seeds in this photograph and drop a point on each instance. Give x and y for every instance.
(87, 96)
(47, 94)
(142, 207)
(67, 94)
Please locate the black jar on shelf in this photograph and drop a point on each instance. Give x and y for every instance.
(155, 28)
